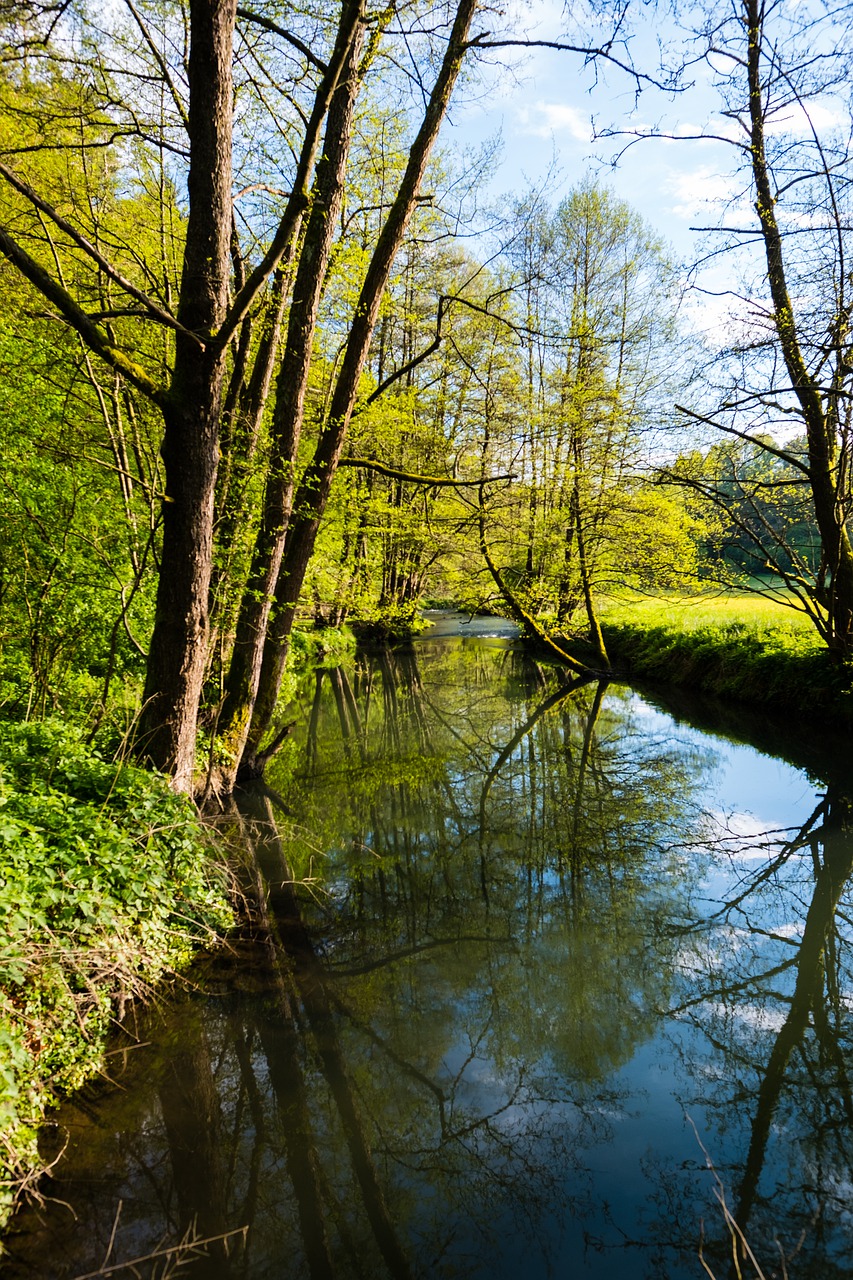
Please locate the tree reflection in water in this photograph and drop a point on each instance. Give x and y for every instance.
(770, 989)
(469, 1050)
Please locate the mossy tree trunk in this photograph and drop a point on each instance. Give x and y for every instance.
(312, 495)
(191, 411)
(291, 389)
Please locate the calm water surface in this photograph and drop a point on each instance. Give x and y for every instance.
(568, 968)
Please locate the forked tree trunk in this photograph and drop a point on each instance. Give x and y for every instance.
(312, 496)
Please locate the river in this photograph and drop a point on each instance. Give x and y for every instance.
(568, 971)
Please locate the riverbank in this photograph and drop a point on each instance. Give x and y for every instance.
(110, 884)
(763, 663)
(732, 647)
(517, 909)
(735, 648)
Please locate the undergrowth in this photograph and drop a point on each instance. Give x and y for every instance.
(107, 884)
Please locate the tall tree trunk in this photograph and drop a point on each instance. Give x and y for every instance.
(167, 728)
(313, 493)
(241, 425)
(241, 421)
(291, 388)
(583, 562)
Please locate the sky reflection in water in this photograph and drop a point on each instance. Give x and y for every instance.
(547, 937)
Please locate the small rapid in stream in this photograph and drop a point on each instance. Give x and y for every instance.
(565, 967)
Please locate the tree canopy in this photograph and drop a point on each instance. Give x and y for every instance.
(253, 374)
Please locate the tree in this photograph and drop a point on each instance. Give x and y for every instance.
(188, 387)
(789, 374)
(78, 469)
(758, 527)
(201, 98)
(205, 325)
(309, 501)
(598, 332)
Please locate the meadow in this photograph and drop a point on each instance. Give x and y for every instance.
(731, 644)
(713, 608)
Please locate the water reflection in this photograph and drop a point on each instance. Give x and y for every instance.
(537, 947)
(770, 991)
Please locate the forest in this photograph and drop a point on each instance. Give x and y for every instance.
(274, 370)
(266, 362)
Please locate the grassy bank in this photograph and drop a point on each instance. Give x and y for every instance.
(733, 646)
(107, 884)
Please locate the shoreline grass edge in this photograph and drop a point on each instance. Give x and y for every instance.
(772, 666)
(110, 885)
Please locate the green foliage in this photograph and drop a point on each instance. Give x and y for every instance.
(655, 542)
(106, 884)
(310, 648)
(73, 540)
(756, 506)
(78, 452)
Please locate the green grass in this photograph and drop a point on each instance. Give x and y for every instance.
(732, 645)
(713, 608)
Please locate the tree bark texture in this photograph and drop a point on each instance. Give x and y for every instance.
(312, 495)
(190, 449)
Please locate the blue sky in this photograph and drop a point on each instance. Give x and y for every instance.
(541, 103)
(542, 108)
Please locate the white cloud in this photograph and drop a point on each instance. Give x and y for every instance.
(759, 840)
(695, 190)
(800, 119)
(544, 119)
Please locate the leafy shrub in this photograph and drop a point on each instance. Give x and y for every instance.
(106, 884)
